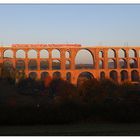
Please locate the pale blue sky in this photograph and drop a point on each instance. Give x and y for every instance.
(84, 24)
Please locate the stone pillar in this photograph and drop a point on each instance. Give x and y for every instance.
(50, 59)
(26, 62)
(63, 60)
(106, 63)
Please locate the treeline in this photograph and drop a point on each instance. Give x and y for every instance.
(58, 102)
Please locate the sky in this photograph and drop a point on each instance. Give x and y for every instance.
(88, 25)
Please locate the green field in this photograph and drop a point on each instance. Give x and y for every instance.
(72, 130)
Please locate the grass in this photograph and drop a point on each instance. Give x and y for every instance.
(98, 129)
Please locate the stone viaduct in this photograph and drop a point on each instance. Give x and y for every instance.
(118, 63)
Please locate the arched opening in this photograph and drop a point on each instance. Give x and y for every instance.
(67, 54)
(55, 53)
(56, 65)
(112, 64)
(133, 63)
(132, 53)
(113, 75)
(32, 54)
(102, 75)
(32, 65)
(20, 54)
(134, 76)
(57, 75)
(44, 75)
(33, 75)
(122, 63)
(44, 65)
(111, 53)
(101, 65)
(44, 54)
(20, 65)
(121, 53)
(87, 62)
(68, 76)
(67, 66)
(84, 76)
(101, 55)
(124, 75)
(8, 54)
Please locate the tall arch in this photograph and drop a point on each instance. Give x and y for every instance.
(121, 53)
(124, 75)
(32, 65)
(134, 76)
(112, 64)
(114, 75)
(8, 53)
(20, 54)
(44, 53)
(111, 53)
(32, 53)
(132, 53)
(87, 62)
(122, 63)
(55, 53)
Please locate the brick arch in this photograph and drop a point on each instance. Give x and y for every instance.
(33, 75)
(56, 64)
(8, 53)
(44, 75)
(134, 76)
(32, 64)
(122, 53)
(85, 75)
(133, 63)
(57, 51)
(20, 53)
(32, 53)
(101, 54)
(122, 63)
(114, 75)
(57, 75)
(132, 53)
(44, 53)
(112, 63)
(67, 54)
(111, 53)
(44, 64)
(124, 75)
(89, 51)
(20, 64)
